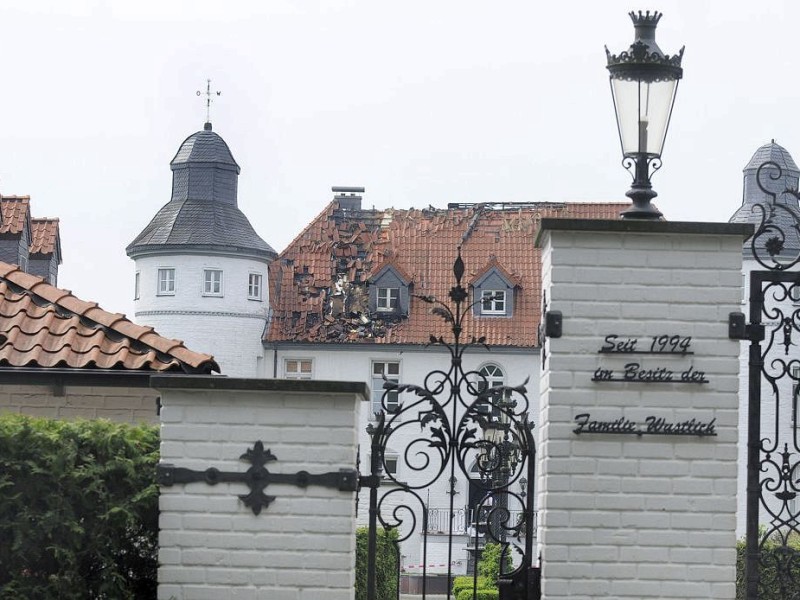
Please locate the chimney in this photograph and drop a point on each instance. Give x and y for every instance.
(349, 198)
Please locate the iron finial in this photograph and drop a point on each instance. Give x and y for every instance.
(458, 267)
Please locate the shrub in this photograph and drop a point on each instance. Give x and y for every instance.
(489, 563)
(386, 564)
(78, 509)
(465, 582)
(774, 557)
(479, 595)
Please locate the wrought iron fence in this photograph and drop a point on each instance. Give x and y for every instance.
(456, 423)
(772, 555)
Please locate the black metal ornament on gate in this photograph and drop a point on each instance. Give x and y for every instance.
(456, 425)
(772, 553)
(257, 477)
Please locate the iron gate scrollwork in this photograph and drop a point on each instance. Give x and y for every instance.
(455, 426)
(772, 553)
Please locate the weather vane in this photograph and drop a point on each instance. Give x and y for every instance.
(209, 99)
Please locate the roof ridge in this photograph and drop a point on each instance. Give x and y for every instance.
(328, 209)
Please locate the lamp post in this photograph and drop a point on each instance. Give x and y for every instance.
(644, 81)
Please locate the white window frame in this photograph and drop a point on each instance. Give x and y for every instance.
(493, 376)
(388, 299)
(494, 302)
(794, 293)
(136, 285)
(166, 281)
(212, 286)
(255, 285)
(390, 368)
(392, 462)
(298, 368)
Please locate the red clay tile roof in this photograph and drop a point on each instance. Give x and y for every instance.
(318, 285)
(493, 264)
(15, 211)
(44, 326)
(44, 236)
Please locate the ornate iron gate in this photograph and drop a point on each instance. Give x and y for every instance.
(772, 555)
(462, 427)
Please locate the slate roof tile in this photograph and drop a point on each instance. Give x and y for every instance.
(422, 244)
(44, 326)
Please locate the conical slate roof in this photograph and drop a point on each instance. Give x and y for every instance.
(202, 213)
(204, 147)
(775, 153)
(776, 182)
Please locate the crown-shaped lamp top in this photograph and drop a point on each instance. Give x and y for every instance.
(644, 59)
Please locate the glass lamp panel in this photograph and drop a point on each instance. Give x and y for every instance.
(643, 112)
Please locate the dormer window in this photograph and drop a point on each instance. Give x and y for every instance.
(493, 290)
(493, 302)
(388, 299)
(389, 291)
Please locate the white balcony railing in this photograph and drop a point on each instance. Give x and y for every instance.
(463, 520)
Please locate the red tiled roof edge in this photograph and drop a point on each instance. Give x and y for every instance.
(493, 263)
(163, 354)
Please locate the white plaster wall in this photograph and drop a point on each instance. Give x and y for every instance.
(302, 546)
(354, 363)
(628, 516)
(229, 327)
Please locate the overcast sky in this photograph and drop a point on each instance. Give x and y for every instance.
(423, 102)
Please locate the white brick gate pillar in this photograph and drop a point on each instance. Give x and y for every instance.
(302, 545)
(639, 405)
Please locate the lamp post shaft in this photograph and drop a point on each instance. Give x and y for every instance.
(641, 192)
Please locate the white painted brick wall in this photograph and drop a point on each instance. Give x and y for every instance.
(228, 326)
(123, 404)
(627, 516)
(301, 547)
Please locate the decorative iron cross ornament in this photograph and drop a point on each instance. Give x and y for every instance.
(257, 477)
(209, 99)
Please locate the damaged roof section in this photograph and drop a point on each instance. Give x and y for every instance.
(319, 285)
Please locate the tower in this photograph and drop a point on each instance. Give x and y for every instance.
(201, 269)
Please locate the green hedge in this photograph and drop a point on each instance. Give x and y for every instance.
(465, 582)
(78, 509)
(479, 595)
(386, 567)
(772, 555)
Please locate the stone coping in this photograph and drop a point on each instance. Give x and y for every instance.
(217, 382)
(642, 226)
